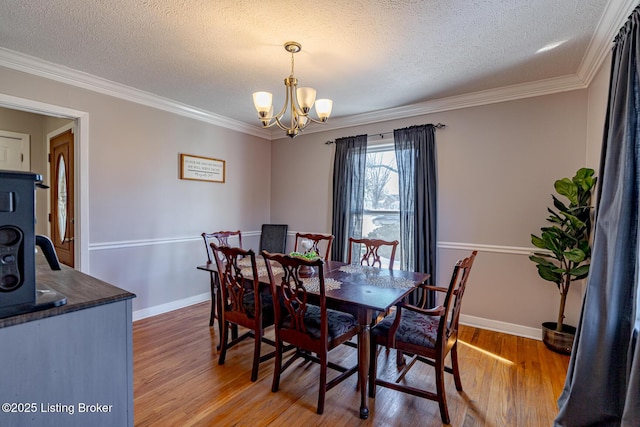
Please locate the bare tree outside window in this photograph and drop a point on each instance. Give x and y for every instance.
(378, 175)
(381, 218)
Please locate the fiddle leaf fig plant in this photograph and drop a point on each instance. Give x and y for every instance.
(566, 242)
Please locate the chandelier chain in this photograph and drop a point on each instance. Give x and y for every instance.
(292, 63)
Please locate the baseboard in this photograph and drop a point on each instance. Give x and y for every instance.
(498, 326)
(170, 306)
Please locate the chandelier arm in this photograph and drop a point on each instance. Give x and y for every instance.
(315, 120)
(270, 124)
(283, 110)
(279, 123)
(284, 106)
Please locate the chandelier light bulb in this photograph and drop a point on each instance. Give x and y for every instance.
(323, 108)
(306, 97)
(262, 102)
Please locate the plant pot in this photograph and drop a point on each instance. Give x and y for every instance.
(560, 342)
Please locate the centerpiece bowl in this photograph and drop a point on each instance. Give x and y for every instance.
(306, 270)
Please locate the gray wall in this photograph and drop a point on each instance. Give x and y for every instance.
(145, 222)
(496, 166)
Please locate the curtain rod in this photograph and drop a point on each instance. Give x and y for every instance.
(381, 135)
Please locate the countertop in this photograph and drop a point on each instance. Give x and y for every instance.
(82, 292)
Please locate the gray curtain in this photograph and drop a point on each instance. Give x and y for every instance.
(602, 387)
(417, 173)
(349, 169)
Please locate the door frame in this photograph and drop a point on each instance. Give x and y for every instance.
(81, 154)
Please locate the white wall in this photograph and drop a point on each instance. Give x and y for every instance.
(144, 222)
(496, 168)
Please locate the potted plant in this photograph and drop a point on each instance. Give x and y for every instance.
(567, 249)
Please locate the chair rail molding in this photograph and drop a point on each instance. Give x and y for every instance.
(513, 250)
(153, 242)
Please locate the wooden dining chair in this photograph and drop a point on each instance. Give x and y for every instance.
(429, 334)
(371, 256)
(242, 304)
(316, 240)
(311, 329)
(221, 239)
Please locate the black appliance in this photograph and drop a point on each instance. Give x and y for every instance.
(18, 291)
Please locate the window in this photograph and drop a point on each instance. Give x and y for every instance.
(381, 216)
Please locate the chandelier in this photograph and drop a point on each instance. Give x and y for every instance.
(299, 99)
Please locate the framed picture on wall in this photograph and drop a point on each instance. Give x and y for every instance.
(198, 168)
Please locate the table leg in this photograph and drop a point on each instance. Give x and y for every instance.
(363, 360)
(219, 309)
(213, 298)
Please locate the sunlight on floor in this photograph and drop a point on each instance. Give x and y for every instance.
(488, 353)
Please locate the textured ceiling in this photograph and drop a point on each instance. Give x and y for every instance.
(366, 55)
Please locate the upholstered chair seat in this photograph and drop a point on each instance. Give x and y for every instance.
(249, 304)
(339, 323)
(415, 328)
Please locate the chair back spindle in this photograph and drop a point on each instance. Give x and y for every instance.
(221, 239)
(293, 295)
(453, 298)
(371, 256)
(233, 284)
(316, 240)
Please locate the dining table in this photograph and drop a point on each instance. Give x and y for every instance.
(359, 290)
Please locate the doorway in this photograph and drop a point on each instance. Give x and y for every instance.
(81, 167)
(62, 188)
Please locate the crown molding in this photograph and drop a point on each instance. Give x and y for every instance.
(474, 99)
(615, 15)
(38, 67)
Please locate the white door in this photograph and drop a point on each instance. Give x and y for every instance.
(14, 151)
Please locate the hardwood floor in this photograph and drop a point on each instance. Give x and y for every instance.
(507, 381)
